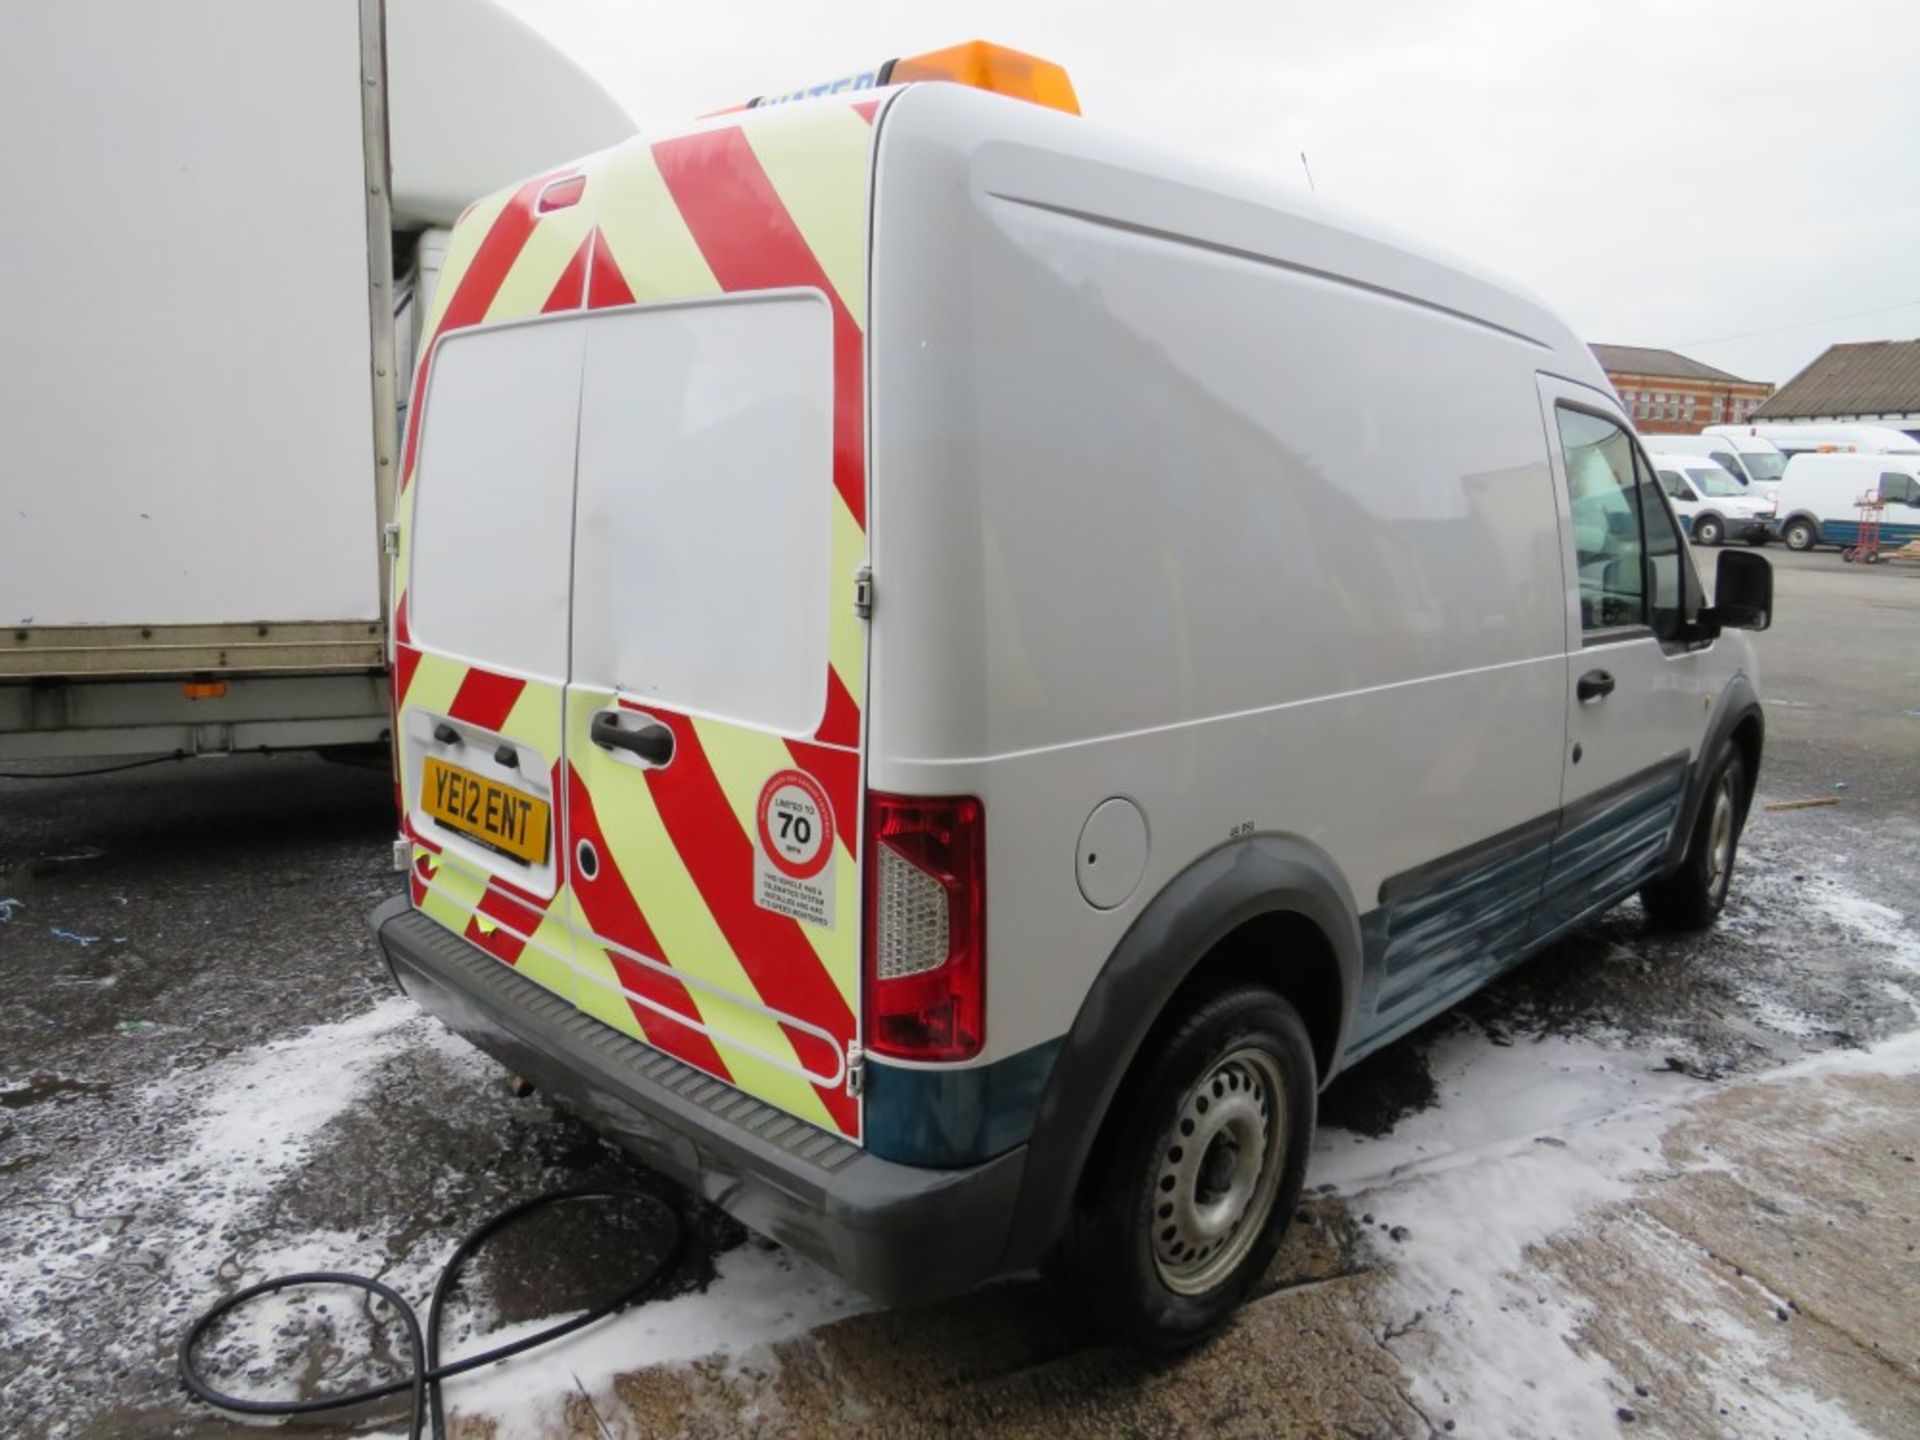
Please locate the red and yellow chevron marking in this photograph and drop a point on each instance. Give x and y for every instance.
(665, 941)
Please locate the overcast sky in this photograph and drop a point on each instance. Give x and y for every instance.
(1667, 172)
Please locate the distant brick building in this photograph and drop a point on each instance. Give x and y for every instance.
(1667, 394)
(1876, 381)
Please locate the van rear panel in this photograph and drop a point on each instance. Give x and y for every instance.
(635, 505)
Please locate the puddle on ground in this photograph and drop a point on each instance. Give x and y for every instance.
(42, 1088)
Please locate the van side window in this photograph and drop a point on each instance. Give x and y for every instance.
(1899, 489)
(1726, 461)
(1666, 563)
(1604, 500)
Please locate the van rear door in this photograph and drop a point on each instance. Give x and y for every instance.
(480, 656)
(628, 586)
(712, 801)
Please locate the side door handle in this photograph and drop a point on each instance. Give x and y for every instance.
(1594, 685)
(652, 742)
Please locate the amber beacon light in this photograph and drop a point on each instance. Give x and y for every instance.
(977, 63)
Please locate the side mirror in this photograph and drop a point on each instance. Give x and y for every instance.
(1743, 591)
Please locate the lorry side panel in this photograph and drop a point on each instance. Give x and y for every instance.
(186, 354)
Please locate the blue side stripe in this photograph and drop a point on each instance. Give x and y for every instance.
(1847, 532)
(956, 1116)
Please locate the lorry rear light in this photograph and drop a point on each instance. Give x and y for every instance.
(926, 924)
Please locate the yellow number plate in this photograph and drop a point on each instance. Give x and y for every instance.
(496, 815)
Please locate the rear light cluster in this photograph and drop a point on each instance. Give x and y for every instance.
(926, 927)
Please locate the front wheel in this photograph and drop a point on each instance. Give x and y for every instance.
(1692, 897)
(1197, 1173)
(1708, 530)
(1800, 535)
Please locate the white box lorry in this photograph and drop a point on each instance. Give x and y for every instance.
(227, 218)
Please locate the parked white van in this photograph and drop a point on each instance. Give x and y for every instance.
(1710, 504)
(956, 667)
(1819, 501)
(1757, 464)
(1814, 437)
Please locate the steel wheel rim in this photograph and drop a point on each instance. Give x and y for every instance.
(1720, 837)
(1218, 1171)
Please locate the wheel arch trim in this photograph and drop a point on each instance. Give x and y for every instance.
(1737, 706)
(1238, 882)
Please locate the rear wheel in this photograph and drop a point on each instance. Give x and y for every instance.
(1197, 1173)
(1800, 535)
(1692, 897)
(1708, 529)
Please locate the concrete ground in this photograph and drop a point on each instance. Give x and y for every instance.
(1606, 1173)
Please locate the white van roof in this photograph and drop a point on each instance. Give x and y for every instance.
(1815, 462)
(1741, 438)
(476, 100)
(1867, 439)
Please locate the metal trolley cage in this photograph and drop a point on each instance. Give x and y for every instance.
(1866, 545)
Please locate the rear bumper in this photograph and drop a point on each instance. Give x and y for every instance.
(900, 1233)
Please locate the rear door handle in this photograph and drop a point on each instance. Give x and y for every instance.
(1594, 685)
(652, 742)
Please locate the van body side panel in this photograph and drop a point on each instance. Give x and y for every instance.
(1186, 495)
(714, 516)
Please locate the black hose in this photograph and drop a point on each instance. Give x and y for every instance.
(95, 770)
(423, 1345)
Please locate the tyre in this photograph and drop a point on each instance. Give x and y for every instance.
(1197, 1172)
(1800, 535)
(1692, 897)
(1708, 529)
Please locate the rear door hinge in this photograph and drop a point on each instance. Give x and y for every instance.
(389, 538)
(856, 1069)
(863, 592)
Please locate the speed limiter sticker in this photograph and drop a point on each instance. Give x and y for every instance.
(793, 848)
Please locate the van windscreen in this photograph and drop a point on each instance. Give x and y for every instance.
(1764, 465)
(1712, 480)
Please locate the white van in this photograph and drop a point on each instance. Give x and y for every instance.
(1819, 501)
(1816, 437)
(1757, 464)
(1711, 505)
(956, 667)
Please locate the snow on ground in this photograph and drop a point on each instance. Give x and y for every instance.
(1524, 1141)
(170, 1199)
(759, 1296)
(189, 1201)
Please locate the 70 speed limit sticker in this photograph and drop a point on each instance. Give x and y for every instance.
(793, 848)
